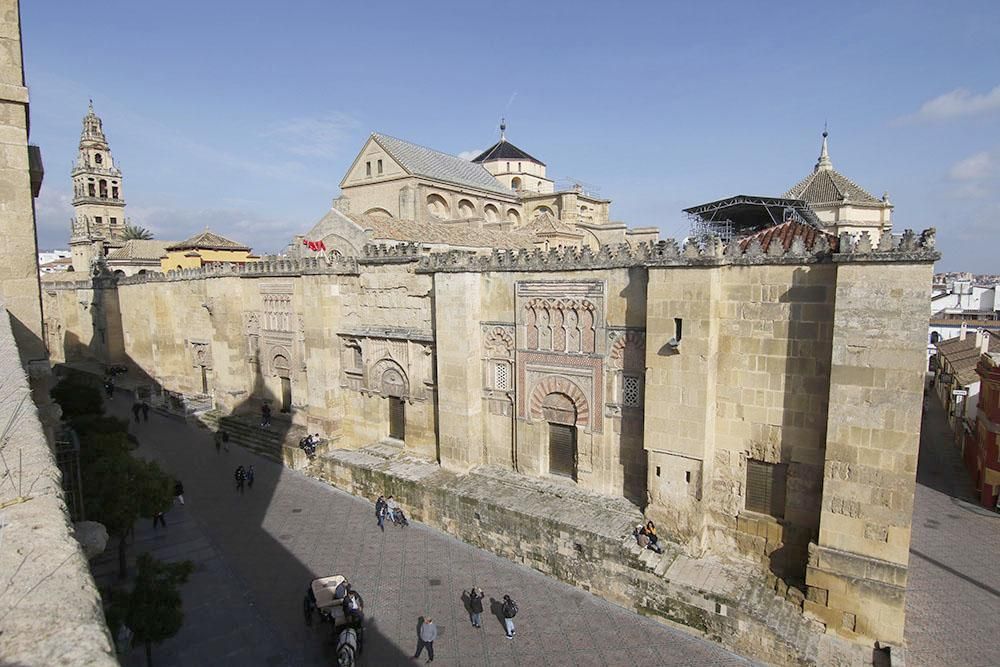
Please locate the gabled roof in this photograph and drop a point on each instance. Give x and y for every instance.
(208, 240)
(452, 234)
(788, 232)
(140, 249)
(504, 150)
(963, 356)
(545, 224)
(826, 185)
(421, 161)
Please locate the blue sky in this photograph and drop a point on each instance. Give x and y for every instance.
(243, 116)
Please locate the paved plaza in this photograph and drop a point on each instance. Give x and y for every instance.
(953, 597)
(256, 553)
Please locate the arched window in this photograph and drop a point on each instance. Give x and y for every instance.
(515, 183)
(104, 189)
(438, 206)
(466, 209)
(513, 217)
(491, 213)
(91, 190)
(98, 158)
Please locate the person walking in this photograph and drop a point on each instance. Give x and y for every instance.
(159, 519)
(179, 491)
(381, 509)
(145, 411)
(240, 476)
(218, 442)
(353, 608)
(109, 387)
(265, 415)
(136, 407)
(476, 596)
(426, 635)
(250, 474)
(509, 611)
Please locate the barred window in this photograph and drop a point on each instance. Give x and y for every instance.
(631, 391)
(766, 488)
(501, 376)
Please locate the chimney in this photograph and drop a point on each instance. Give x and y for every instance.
(962, 331)
(979, 338)
(984, 344)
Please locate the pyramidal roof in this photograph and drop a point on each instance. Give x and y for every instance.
(504, 150)
(826, 185)
(208, 240)
(421, 161)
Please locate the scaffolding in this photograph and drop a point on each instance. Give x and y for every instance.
(743, 215)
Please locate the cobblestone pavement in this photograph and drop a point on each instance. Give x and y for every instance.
(258, 551)
(953, 591)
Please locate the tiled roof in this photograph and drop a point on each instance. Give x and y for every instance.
(140, 249)
(504, 150)
(440, 166)
(788, 232)
(208, 240)
(963, 355)
(454, 234)
(545, 224)
(828, 186)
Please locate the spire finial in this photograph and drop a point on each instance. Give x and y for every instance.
(503, 129)
(824, 154)
(90, 106)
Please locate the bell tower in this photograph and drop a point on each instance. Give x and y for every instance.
(98, 202)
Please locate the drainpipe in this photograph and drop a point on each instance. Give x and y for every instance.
(513, 433)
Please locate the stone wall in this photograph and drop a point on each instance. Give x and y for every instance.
(50, 609)
(19, 250)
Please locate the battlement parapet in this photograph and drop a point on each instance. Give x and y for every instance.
(401, 253)
(278, 266)
(708, 251)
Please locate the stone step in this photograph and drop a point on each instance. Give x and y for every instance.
(662, 567)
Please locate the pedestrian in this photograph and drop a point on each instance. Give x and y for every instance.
(225, 441)
(265, 415)
(509, 611)
(135, 410)
(425, 637)
(158, 518)
(353, 608)
(381, 509)
(240, 476)
(308, 605)
(109, 387)
(218, 442)
(145, 411)
(476, 596)
(179, 491)
(250, 474)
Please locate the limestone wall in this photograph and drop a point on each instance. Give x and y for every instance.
(19, 249)
(50, 609)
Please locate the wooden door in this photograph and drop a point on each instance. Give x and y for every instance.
(562, 450)
(397, 418)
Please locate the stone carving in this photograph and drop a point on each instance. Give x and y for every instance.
(201, 353)
(628, 350)
(560, 325)
(557, 384)
(499, 341)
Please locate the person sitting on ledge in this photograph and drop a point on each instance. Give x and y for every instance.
(654, 542)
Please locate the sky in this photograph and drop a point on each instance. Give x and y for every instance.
(244, 116)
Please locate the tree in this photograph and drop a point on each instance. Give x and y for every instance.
(77, 398)
(153, 609)
(119, 489)
(136, 232)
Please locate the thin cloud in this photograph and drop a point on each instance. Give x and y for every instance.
(468, 155)
(973, 168)
(322, 136)
(956, 104)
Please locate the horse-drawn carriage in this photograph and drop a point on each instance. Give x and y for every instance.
(328, 596)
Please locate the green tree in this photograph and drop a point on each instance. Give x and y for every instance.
(119, 489)
(77, 398)
(153, 608)
(136, 232)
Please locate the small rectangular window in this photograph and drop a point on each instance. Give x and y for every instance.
(97, 219)
(501, 376)
(631, 392)
(380, 167)
(368, 168)
(678, 328)
(765, 491)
